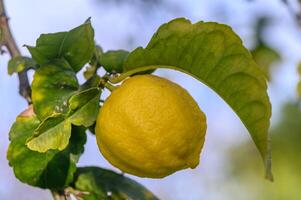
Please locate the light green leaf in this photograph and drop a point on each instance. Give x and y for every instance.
(106, 185)
(52, 86)
(52, 169)
(53, 133)
(113, 61)
(75, 46)
(20, 63)
(215, 55)
(84, 106)
(265, 56)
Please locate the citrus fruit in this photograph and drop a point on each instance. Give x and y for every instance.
(150, 127)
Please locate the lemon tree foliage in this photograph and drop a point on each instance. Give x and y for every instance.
(105, 184)
(53, 169)
(76, 46)
(265, 56)
(215, 55)
(52, 86)
(46, 145)
(54, 132)
(20, 63)
(112, 61)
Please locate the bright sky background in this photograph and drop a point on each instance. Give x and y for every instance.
(126, 27)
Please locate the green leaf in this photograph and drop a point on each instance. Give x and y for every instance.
(265, 56)
(113, 61)
(76, 46)
(52, 86)
(20, 63)
(53, 133)
(84, 106)
(53, 169)
(106, 185)
(213, 54)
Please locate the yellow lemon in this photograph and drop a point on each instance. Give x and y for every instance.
(150, 127)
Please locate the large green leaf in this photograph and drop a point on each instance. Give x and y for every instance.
(52, 86)
(54, 132)
(76, 46)
(52, 169)
(108, 185)
(215, 55)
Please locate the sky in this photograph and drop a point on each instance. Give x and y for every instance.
(127, 26)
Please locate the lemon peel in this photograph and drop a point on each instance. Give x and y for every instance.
(150, 127)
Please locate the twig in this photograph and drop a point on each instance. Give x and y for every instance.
(8, 41)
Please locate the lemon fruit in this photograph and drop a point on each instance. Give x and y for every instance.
(150, 127)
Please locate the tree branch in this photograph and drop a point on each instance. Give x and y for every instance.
(8, 41)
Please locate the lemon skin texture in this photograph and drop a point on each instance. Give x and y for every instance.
(150, 127)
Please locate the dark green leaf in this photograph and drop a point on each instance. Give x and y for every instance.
(76, 46)
(53, 169)
(52, 86)
(108, 185)
(113, 61)
(20, 63)
(215, 55)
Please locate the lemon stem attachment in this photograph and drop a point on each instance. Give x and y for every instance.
(121, 77)
(110, 86)
(103, 83)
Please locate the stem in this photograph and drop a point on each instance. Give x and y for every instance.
(123, 76)
(109, 86)
(9, 42)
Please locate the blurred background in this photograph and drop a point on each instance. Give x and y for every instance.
(230, 165)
